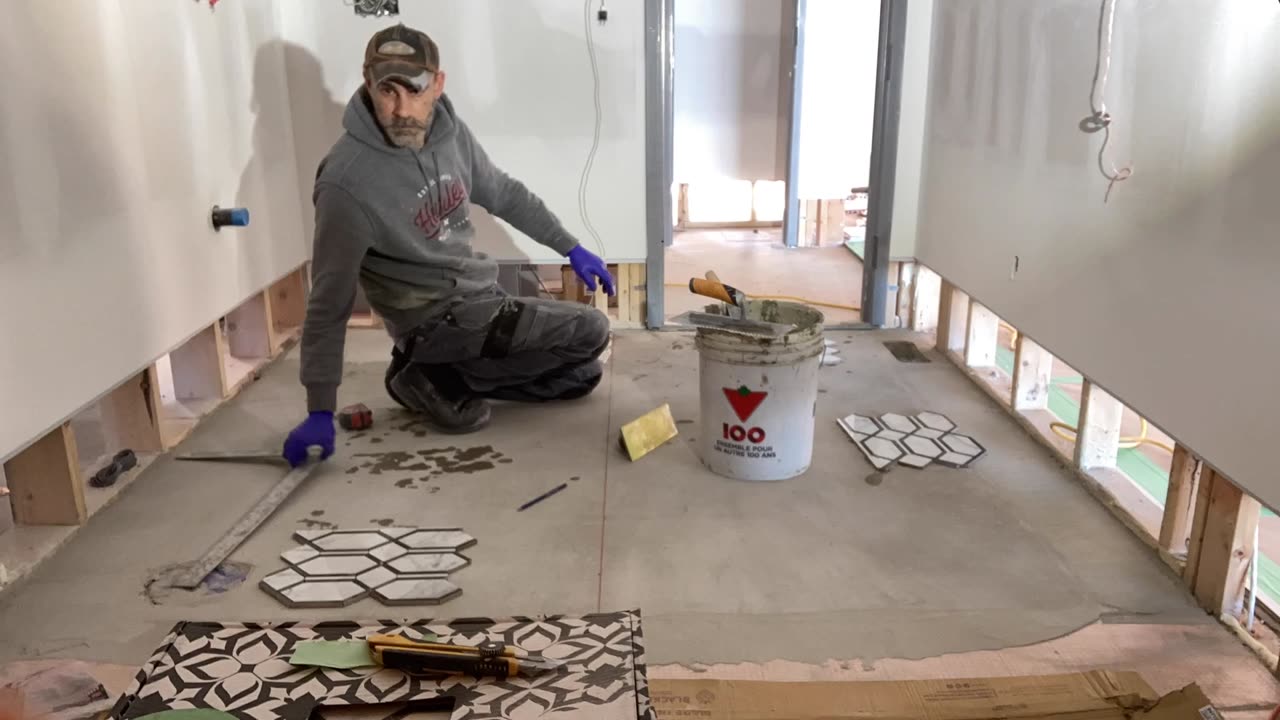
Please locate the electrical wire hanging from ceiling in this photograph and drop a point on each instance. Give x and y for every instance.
(1100, 120)
(583, 185)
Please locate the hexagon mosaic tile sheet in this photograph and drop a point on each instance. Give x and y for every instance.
(395, 565)
(915, 441)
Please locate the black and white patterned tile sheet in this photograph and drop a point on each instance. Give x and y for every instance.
(243, 669)
(915, 441)
(395, 565)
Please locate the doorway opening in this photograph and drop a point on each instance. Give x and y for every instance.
(763, 100)
(735, 229)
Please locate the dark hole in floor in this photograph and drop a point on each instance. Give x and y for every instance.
(906, 351)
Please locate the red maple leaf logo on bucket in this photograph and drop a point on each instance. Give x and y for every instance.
(744, 401)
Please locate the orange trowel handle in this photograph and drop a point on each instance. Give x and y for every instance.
(713, 289)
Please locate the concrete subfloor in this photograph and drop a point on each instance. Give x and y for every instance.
(757, 263)
(1010, 552)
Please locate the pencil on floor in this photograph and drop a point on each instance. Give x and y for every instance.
(542, 497)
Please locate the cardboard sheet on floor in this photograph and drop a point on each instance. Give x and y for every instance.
(244, 669)
(1096, 695)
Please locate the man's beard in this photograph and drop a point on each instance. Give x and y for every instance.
(408, 133)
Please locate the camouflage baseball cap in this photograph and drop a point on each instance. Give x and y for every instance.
(401, 53)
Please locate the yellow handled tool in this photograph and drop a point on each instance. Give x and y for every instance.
(715, 289)
(489, 659)
(381, 641)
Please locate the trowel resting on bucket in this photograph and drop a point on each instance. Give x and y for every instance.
(753, 328)
(712, 287)
(735, 322)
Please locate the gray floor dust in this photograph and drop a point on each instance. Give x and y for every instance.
(833, 564)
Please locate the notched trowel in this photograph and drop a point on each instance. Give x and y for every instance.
(735, 319)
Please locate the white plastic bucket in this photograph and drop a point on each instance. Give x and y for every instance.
(759, 395)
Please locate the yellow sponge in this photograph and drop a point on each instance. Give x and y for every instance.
(642, 435)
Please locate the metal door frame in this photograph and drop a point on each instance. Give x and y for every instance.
(659, 20)
(884, 162)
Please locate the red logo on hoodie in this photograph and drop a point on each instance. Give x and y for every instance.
(440, 201)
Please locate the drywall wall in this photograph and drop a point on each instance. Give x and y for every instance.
(911, 128)
(838, 96)
(123, 125)
(520, 75)
(733, 63)
(1165, 295)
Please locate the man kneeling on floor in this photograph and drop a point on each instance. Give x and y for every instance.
(391, 209)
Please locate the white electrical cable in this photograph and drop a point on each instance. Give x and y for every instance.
(1100, 120)
(1102, 69)
(583, 185)
(1253, 580)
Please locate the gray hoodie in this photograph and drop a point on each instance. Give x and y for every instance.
(398, 221)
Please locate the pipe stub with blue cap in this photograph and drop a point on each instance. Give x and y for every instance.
(235, 217)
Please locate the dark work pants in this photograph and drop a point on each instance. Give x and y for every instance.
(509, 348)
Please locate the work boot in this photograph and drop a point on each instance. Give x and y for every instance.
(412, 388)
(398, 362)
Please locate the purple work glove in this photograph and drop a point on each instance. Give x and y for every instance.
(589, 267)
(317, 429)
